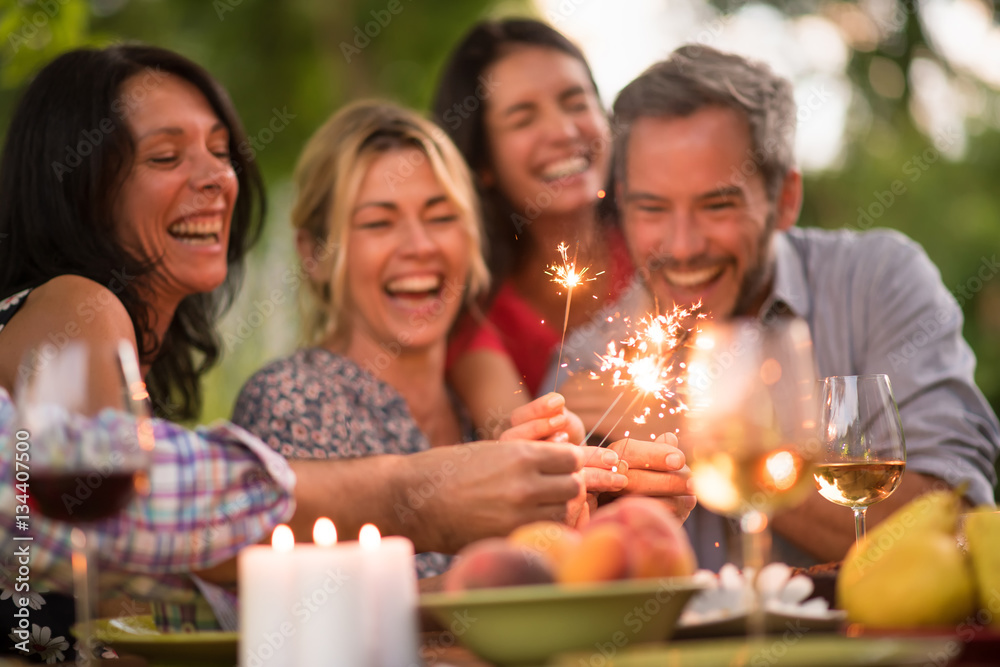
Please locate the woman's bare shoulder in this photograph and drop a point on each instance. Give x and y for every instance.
(75, 300)
(68, 308)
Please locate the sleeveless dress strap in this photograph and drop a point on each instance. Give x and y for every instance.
(10, 306)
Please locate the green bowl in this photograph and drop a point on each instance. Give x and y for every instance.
(138, 635)
(525, 625)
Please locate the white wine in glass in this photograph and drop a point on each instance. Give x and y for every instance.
(749, 426)
(864, 451)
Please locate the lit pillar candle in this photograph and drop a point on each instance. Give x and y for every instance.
(391, 592)
(265, 587)
(328, 600)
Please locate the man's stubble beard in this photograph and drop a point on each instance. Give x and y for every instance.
(757, 281)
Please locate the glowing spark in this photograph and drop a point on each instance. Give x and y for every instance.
(567, 275)
(646, 359)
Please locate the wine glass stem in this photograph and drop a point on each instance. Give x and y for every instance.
(83, 578)
(756, 548)
(859, 523)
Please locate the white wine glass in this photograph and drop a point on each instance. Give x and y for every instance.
(863, 447)
(86, 411)
(749, 428)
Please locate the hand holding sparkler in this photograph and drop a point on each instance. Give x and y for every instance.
(546, 418)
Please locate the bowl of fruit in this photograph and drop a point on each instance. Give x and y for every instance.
(620, 581)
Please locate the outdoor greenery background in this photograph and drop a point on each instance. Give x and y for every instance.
(287, 56)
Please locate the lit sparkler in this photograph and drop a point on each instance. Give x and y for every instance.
(646, 361)
(567, 275)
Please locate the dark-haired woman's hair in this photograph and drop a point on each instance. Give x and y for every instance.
(67, 153)
(458, 107)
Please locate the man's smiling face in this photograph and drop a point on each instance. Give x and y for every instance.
(699, 224)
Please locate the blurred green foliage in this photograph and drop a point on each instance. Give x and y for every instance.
(304, 58)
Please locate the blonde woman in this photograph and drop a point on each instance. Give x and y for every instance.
(389, 234)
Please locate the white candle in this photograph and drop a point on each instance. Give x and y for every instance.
(391, 590)
(265, 587)
(328, 601)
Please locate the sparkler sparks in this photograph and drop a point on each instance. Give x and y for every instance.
(646, 360)
(567, 275)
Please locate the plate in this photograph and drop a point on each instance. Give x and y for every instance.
(525, 625)
(774, 623)
(138, 635)
(786, 651)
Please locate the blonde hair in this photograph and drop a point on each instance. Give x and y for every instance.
(327, 179)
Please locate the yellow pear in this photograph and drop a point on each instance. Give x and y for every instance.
(923, 580)
(937, 510)
(910, 571)
(982, 538)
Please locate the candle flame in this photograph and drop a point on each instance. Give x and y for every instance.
(282, 538)
(324, 532)
(369, 537)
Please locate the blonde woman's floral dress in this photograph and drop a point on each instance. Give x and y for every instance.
(316, 404)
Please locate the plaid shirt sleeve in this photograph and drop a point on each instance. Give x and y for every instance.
(212, 491)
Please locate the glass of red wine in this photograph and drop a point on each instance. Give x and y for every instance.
(87, 412)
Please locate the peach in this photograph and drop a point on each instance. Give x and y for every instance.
(658, 545)
(494, 562)
(552, 540)
(603, 555)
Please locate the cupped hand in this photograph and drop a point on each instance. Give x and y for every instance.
(658, 469)
(545, 418)
(487, 489)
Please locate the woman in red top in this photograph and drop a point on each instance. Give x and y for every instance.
(519, 101)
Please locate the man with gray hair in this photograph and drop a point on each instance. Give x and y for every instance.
(708, 193)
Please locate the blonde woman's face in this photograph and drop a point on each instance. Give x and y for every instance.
(408, 255)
